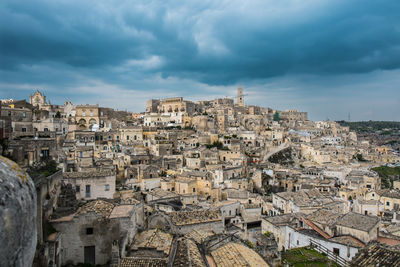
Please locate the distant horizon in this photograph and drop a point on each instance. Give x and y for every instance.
(144, 109)
(328, 58)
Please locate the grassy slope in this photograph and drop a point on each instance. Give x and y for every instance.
(384, 172)
(306, 257)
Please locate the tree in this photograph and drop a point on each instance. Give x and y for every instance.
(276, 116)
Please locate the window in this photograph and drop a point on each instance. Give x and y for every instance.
(44, 153)
(336, 251)
(81, 154)
(77, 189)
(24, 114)
(387, 203)
(107, 187)
(87, 191)
(127, 137)
(89, 231)
(24, 130)
(9, 113)
(83, 113)
(46, 129)
(194, 190)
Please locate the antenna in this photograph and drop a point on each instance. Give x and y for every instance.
(348, 118)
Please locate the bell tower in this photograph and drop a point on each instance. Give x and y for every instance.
(240, 96)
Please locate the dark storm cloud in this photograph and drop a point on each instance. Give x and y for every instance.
(214, 42)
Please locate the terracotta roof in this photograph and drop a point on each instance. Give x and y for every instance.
(122, 211)
(348, 240)
(198, 235)
(153, 239)
(195, 216)
(188, 254)
(326, 216)
(316, 228)
(284, 219)
(234, 254)
(306, 198)
(377, 254)
(99, 206)
(389, 193)
(358, 221)
(142, 262)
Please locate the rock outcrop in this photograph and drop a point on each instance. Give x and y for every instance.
(18, 232)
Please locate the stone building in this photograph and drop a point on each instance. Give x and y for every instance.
(86, 116)
(177, 105)
(363, 227)
(93, 184)
(57, 125)
(27, 151)
(87, 235)
(152, 105)
(21, 120)
(292, 115)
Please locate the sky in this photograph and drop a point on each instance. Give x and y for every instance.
(330, 58)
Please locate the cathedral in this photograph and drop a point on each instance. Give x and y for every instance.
(37, 99)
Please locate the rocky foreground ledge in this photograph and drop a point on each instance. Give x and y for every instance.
(17, 215)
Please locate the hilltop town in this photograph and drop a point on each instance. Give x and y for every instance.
(206, 183)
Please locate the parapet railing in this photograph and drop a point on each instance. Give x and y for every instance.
(332, 256)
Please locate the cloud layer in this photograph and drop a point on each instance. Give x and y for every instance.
(195, 47)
